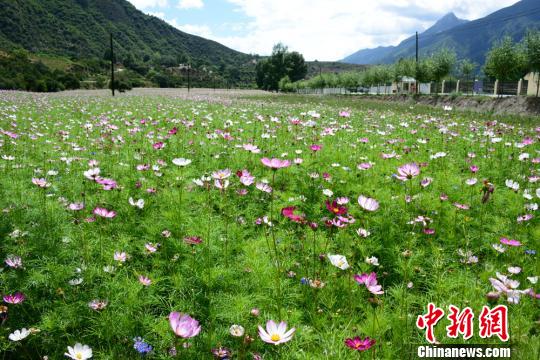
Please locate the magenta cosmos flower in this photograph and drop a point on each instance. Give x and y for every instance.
(104, 212)
(510, 242)
(359, 344)
(14, 299)
(368, 204)
(275, 163)
(288, 212)
(275, 334)
(408, 171)
(184, 325)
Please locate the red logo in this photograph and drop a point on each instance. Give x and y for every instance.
(490, 322)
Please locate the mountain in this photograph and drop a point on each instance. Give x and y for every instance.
(373, 56)
(79, 29)
(470, 40)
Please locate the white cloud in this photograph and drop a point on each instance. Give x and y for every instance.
(145, 4)
(330, 30)
(190, 4)
(322, 29)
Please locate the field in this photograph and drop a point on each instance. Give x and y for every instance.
(230, 207)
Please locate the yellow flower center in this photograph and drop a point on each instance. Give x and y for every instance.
(79, 356)
(340, 263)
(275, 337)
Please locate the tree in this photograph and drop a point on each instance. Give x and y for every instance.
(532, 52)
(466, 69)
(296, 66)
(281, 63)
(442, 62)
(505, 61)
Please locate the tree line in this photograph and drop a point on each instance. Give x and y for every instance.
(506, 61)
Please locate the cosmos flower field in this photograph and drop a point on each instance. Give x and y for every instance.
(236, 226)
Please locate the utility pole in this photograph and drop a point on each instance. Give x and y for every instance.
(112, 66)
(417, 83)
(189, 78)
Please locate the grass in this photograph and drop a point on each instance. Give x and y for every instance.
(236, 268)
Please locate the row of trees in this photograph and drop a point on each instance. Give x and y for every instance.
(506, 61)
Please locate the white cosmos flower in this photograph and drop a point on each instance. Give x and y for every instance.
(79, 352)
(181, 162)
(339, 261)
(275, 334)
(514, 269)
(533, 279)
(372, 261)
(471, 181)
(328, 192)
(538, 193)
(531, 207)
(139, 203)
(236, 330)
(512, 184)
(18, 335)
(92, 173)
(499, 248)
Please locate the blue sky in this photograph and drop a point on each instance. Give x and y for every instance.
(319, 29)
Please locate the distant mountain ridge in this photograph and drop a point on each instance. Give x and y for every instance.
(470, 39)
(373, 56)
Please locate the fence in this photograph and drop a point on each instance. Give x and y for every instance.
(476, 87)
(324, 91)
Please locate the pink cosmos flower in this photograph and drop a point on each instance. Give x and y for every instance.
(14, 299)
(264, 187)
(461, 206)
(408, 171)
(108, 184)
(221, 174)
(145, 280)
(76, 206)
(315, 147)
(370, 281)
(359, 344)
(344, 113)
(275, 163)
(510, 242)
(120, 256)
(184, 325)
(251, 148)
(14, 262)
(364, 166)
(288, 212)
(473, 168)
(104, 213)
(368, 204)
(245, 177)
(525, 217)
(42, 183)
(151, 248)
(426, 181)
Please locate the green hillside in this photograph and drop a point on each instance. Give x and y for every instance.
(78, 31)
